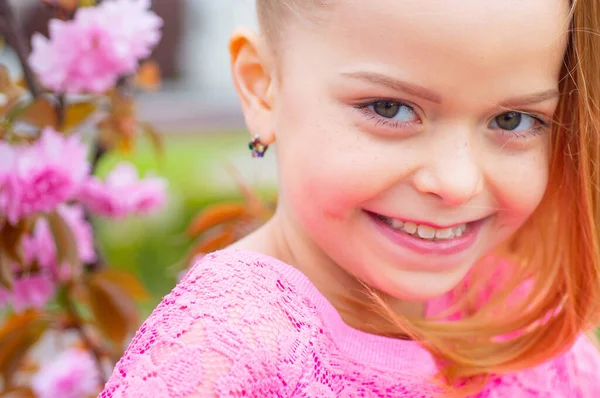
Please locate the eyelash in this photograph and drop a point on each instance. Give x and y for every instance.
(382, 121)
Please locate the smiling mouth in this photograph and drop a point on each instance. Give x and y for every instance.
(426, 232)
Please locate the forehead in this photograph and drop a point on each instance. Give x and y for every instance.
(447, 44)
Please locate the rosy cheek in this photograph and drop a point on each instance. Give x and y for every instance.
(521, 191)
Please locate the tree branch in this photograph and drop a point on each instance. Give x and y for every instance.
(15, 38)
(78, 326)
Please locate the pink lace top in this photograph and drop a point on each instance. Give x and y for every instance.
(242, 324)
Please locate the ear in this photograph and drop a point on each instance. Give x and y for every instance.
(252, 76)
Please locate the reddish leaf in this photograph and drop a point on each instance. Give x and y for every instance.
(67, 5)
(40, 113)
(126, 281)
(122, 120)
(19, 392)
(107, 136)
(11, 90)
(5, 80)
(215, 242)
(10, 240)
(18, 334)
(255, 205)
(122, 106)
(65, 240)
(215, 215)
(148, 76)
(77, 113)
(6, 272)
(113, 309)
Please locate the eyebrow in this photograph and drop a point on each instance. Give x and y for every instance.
(530, 99)
(398, 85)
(432, 96)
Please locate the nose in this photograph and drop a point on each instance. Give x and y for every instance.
(452, 176)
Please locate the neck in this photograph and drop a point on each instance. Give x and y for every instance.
(283, 239)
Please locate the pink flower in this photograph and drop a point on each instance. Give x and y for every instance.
(90, 52)
(72, 374)
(31, 291)
(123, 193)
(43, 175)
(40, 246)
(136, 29)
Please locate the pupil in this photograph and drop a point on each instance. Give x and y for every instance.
(386, 109)
(509, 120)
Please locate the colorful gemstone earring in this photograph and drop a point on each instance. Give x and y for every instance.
(257, 147)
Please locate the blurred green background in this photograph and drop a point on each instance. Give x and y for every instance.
(153, 247)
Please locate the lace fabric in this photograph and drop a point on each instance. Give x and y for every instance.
(241, 324)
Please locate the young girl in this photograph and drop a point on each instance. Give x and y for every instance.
(437, 228)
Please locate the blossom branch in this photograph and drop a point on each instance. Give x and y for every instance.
(11, 33)
(78, 325)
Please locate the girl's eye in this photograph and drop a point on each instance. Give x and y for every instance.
(514, 121)
(393, 110)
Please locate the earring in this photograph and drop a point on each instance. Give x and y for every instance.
(257, 147)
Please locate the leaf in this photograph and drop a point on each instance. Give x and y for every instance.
(215, 215)
(40, 113)
(122, 106)
(255, 205)
(122, 120)
(19, 392)
(6, 272)
(107, 136)
(5, 80)
(114, 310)
(12, 91)
(21, 83)
(126, 281)
(65, 241)
(86, 3)
(76, 113)
(213, 243)
(148, 76)
(67, 5)
(18, 334)
(155, 138)
(10, 241)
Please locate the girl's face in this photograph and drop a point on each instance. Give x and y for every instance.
(413, 135)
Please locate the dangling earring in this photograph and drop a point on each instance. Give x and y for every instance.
(257, 147)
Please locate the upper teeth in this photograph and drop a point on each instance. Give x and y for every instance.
(425, 231)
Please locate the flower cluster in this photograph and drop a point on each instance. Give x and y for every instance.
(100, 44)
(71, 375)
(50, 175)
(36, 178)
(53, 281)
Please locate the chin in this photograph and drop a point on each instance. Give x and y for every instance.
(420, 286)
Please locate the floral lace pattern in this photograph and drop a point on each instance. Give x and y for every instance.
(242, 324)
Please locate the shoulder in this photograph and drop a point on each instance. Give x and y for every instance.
(575, 374)
(583, 362)
(232, 324)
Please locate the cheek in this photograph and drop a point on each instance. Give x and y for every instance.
(326, 181)
(521, 183)
(326, 165)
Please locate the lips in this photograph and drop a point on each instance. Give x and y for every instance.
(426, 239)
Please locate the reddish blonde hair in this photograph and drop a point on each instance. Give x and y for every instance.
(557, 251)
